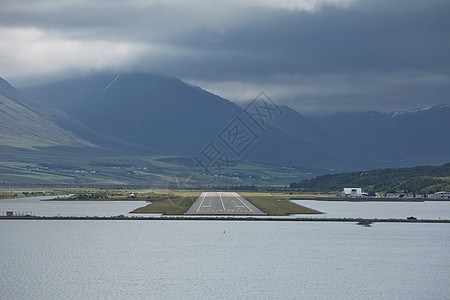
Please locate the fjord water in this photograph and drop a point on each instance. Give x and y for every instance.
(40, 207)
(331, 209)
(223, 259)
(433, 210)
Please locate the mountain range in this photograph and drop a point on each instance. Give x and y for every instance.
(411, 138)
(167, 113)
(162, 125)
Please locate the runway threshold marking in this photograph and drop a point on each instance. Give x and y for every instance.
(204, 196)
(234, 194)
(221, 200)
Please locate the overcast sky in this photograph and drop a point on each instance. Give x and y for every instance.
(315, 55)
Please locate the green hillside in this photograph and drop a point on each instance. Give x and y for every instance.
(26, 124)
(416, 180)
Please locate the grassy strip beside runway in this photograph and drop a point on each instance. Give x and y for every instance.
(275, 207)
(172, 204)
(169, 204)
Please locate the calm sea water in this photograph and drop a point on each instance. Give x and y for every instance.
(36, 206)
(331, 209)
(222, 259)
(382, 210)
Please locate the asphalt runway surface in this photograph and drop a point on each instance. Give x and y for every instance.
(223, 203)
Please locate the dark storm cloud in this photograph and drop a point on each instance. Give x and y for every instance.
(340, 41)
(316, 55)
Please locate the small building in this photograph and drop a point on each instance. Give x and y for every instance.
(395, 195)
(353, 192)
(442, 195)
(132, 195)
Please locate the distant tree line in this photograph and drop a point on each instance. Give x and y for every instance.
(415, 180)
(236, 188)
(90, 196)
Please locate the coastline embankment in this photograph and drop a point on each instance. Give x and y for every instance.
(219, 218)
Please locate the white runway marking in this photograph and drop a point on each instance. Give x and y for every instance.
(237, 197)
(221, 200)
(214, 203)
(204, 196)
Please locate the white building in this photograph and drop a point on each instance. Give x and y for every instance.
(353, 192)
(442, 195)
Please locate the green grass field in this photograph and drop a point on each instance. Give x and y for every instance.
(169, 204)
(20, 167)
(275, 207)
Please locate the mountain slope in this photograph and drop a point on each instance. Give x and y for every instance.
(295, 139)
(145, 109)
(26, 124)
(156, 125)
(158, 111)
(417, 134)
(402, 139)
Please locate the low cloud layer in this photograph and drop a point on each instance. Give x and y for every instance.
(318, 56)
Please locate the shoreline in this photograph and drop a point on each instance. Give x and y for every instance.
(368, 199)
(221, 218)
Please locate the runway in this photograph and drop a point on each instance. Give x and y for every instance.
(223, 203)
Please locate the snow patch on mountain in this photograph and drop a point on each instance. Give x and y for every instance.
(107, 87)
